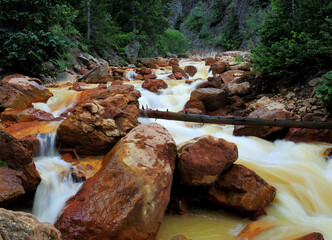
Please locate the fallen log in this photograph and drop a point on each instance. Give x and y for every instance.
(187, 117)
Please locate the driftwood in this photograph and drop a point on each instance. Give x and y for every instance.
(233, 120)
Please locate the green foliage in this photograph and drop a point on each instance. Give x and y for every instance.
(3, 164)
(295, 40)
(325, 90)
(173, 41)
(32, 32)
(254, 22)
(220, 10)
(84, 48)
(196, 19)
(121, 40)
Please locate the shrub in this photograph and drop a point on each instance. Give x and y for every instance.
(173, 41)
(325, 90)
(196, 19)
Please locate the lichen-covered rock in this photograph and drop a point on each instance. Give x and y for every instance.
(203, 159)
(100, 119)
(242, 190)
(127, 197)
(25, 226)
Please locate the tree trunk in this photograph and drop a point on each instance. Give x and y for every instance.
(233, 120)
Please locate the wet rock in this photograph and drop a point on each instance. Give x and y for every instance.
(26, 115)
(204, 84)
(309, 135)
(100, 119)
(240, 89)
(177, 76)
(99, 74)
(191, 70)
(20, 225)
(76, 87)
(31, 143)
(31, 87)
(237, 103)
(203, 159)
(242, 190)
(154, 85)
(215, 81)
(177, 69)
(212, 98)
(173, 62)
(265, 132)
(150, 76)
(145, 71)
(232, 76)
(178, 205)
(311, 236)
(117, 82)
(196, 104)
(10, 185)
(149, 62)
(128, 196)
(327, 153)
(210, 61)
(10, 97)
(17, 157)
(218, 68)
(253, 229)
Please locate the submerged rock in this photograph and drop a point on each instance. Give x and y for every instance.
(242, 190)
(101, 118)
(127, 197)
(203, 159)
(20, 225)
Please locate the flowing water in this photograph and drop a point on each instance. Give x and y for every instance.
(300, 173)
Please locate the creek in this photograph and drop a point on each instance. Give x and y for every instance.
(300, 173)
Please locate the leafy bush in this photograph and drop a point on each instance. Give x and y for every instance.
(173, 41)
(325, 90)
(121, 40)
(3, 164)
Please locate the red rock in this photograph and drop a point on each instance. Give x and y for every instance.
(154, 85)
(240, 89)
(150, 76)
(309, 135)
(31, 88)
(139, 77)
(215, 81)
(76, 87)
(117, 82)
(10, 185)
(178, 75)
(204, 84)
(242, 190)
(149, 62)
(195, 103)
(173, 62)
(100, 74)
(327, 153)
(31, 143)
(171, 76)
(17, 157)
(212, 98)
(10, 97)
(242, 66)
(265, 132)
(128, 196)
(26, 115)
(177, 69)
(210, 61)
(178, 206)
(203, 159)
(145, 71)
(191, 70)
(36, 80)
(232, 76)
(180, 237)
(100, 119)
(311, 236)
(218, 68)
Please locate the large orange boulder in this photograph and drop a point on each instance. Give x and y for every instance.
(242, 190)
(95, 125)
(191, 70)
(265, 132)
(18, 158)
(153, 85)
(127, 197)
(177, 69)
(218, 68)
(26, 115)
(100, 74)
(309, 135)
(10, 97)
(212, 98)
(31, 87)
(203, 159)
